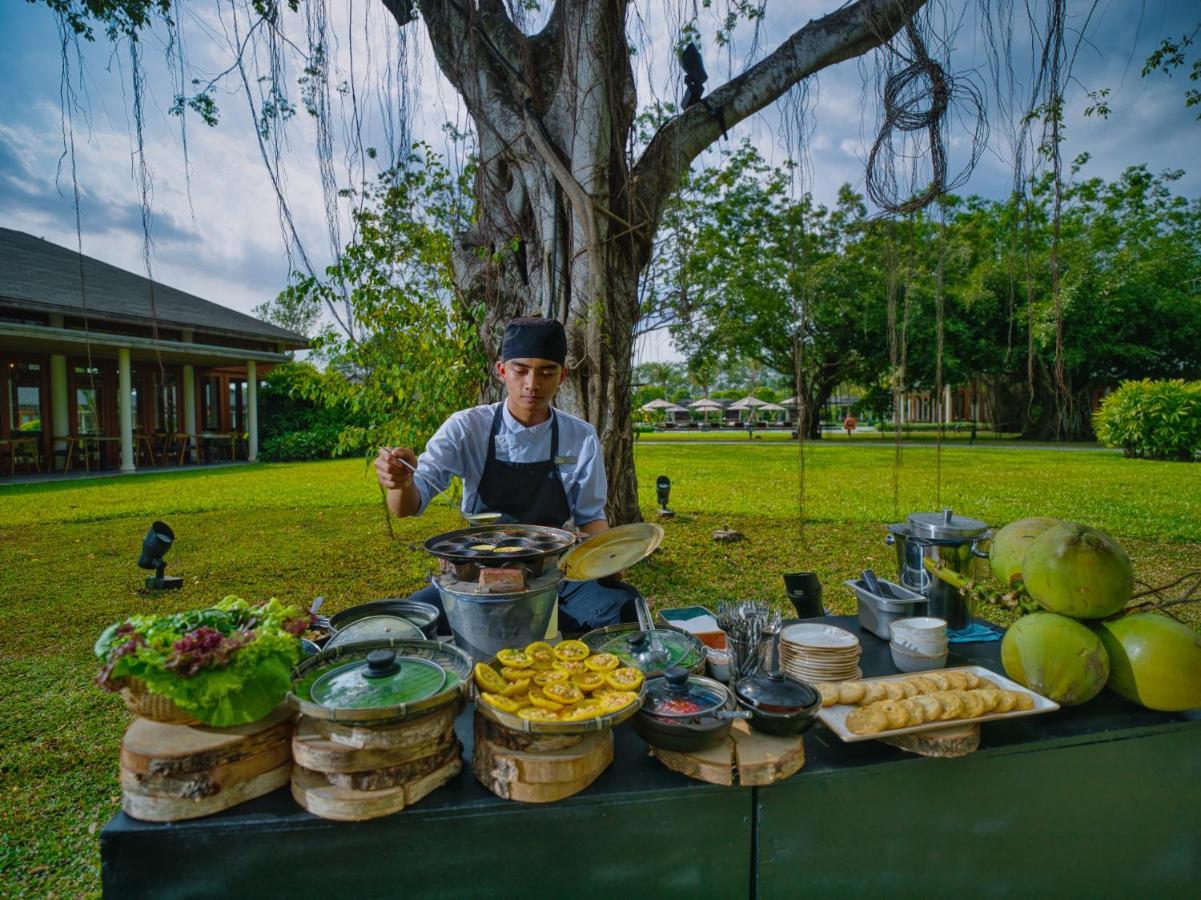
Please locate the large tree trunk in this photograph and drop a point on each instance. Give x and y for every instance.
(566, 219)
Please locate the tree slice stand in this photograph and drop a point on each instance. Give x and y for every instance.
(746, 757)
(357, 772)
(175, 772)
(546, 768)
(940, 743)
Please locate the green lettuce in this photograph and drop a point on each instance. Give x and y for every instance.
(227, 665)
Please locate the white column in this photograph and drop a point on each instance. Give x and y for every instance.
(189, 406)
(252, 411)
(60, 419)
(125, 414)
(946, 416)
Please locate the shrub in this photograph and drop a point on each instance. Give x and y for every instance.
(1152, 419)
(318, 442)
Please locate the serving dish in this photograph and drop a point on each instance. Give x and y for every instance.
(834, 717)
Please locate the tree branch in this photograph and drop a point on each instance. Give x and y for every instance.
(844, 34)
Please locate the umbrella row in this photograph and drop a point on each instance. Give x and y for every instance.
(707, 405)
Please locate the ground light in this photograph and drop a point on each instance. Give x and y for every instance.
(663, 490)
(155, 545)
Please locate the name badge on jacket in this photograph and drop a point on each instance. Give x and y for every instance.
(566, 460)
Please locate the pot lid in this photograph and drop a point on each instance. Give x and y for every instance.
(375, 628)
(776, 692)
(945, 525)
(611, 551)
(653, 650)
(382, 679)
(679, 695)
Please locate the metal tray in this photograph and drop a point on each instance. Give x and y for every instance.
(835, 717)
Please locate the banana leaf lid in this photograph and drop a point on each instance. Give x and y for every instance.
(374, 628)
(611, 551)
(382, 679)
(432, 675)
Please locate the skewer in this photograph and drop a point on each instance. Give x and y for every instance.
(401, 460)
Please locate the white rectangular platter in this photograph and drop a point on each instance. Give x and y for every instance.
(835, 717)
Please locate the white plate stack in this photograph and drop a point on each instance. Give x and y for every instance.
(814, 652)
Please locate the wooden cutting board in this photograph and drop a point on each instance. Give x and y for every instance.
(155, 748)
(153, 808)
(315, 794)
(311, 749)
(747, 757)
(542, 777)
(205, 783)
(411, 734)
(517, 740)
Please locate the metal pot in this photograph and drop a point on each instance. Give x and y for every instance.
(685, 732)
(423, 615)
(940, 537)
(778, 704)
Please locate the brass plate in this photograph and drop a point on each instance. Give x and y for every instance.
(611, 551)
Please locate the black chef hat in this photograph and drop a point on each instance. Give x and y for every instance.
(534, 338)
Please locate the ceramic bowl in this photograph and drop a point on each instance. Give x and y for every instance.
(925, 635)
(908, 661)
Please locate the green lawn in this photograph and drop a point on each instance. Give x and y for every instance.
(67, 554)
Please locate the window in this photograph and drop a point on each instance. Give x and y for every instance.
(209, 400)
(25, 398)
(237, 412)
(88, 396)
(166, 414)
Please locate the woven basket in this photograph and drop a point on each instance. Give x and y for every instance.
(141, 702)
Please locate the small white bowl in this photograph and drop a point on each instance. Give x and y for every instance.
(921, 634)
(907, 661)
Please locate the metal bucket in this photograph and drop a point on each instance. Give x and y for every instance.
(484, 624)
(959, 554)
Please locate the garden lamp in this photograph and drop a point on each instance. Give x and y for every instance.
(663, 490)
(155, 545)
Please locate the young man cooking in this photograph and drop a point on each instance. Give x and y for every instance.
(524, 459)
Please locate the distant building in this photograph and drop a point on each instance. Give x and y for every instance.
(113, 370)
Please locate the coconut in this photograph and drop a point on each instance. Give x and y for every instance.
(1078, 571)
(1009, 546)
(1055, 656)
(1154, 661)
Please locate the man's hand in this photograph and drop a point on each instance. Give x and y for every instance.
(392, 473)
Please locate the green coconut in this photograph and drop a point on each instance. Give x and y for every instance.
(1056, 657)
(1078, 571)
(1009, 546)
(1154, 661)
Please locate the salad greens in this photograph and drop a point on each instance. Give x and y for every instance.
(227, 665)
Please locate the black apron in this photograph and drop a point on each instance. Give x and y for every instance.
(530, 493)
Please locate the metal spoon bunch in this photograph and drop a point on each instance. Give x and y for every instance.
(751, 628)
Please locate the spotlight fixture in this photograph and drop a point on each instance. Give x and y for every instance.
(663, 490)
(155, 545)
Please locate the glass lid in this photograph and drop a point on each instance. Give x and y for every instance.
(679, 694)
(382, 679)
(651, 651)
(375, 628)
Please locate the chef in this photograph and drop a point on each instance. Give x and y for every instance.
(524, 459)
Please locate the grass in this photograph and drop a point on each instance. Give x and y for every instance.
(67, 553)
(870, 438)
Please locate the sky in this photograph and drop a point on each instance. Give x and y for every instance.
(215, 224)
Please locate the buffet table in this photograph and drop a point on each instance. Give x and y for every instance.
(1100, 798)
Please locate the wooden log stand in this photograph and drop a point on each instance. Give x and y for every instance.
(355, 772)
(175, 772)
(534, 768)
(746, 757)
(942, 743)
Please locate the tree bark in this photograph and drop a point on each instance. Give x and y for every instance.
(565, 222)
